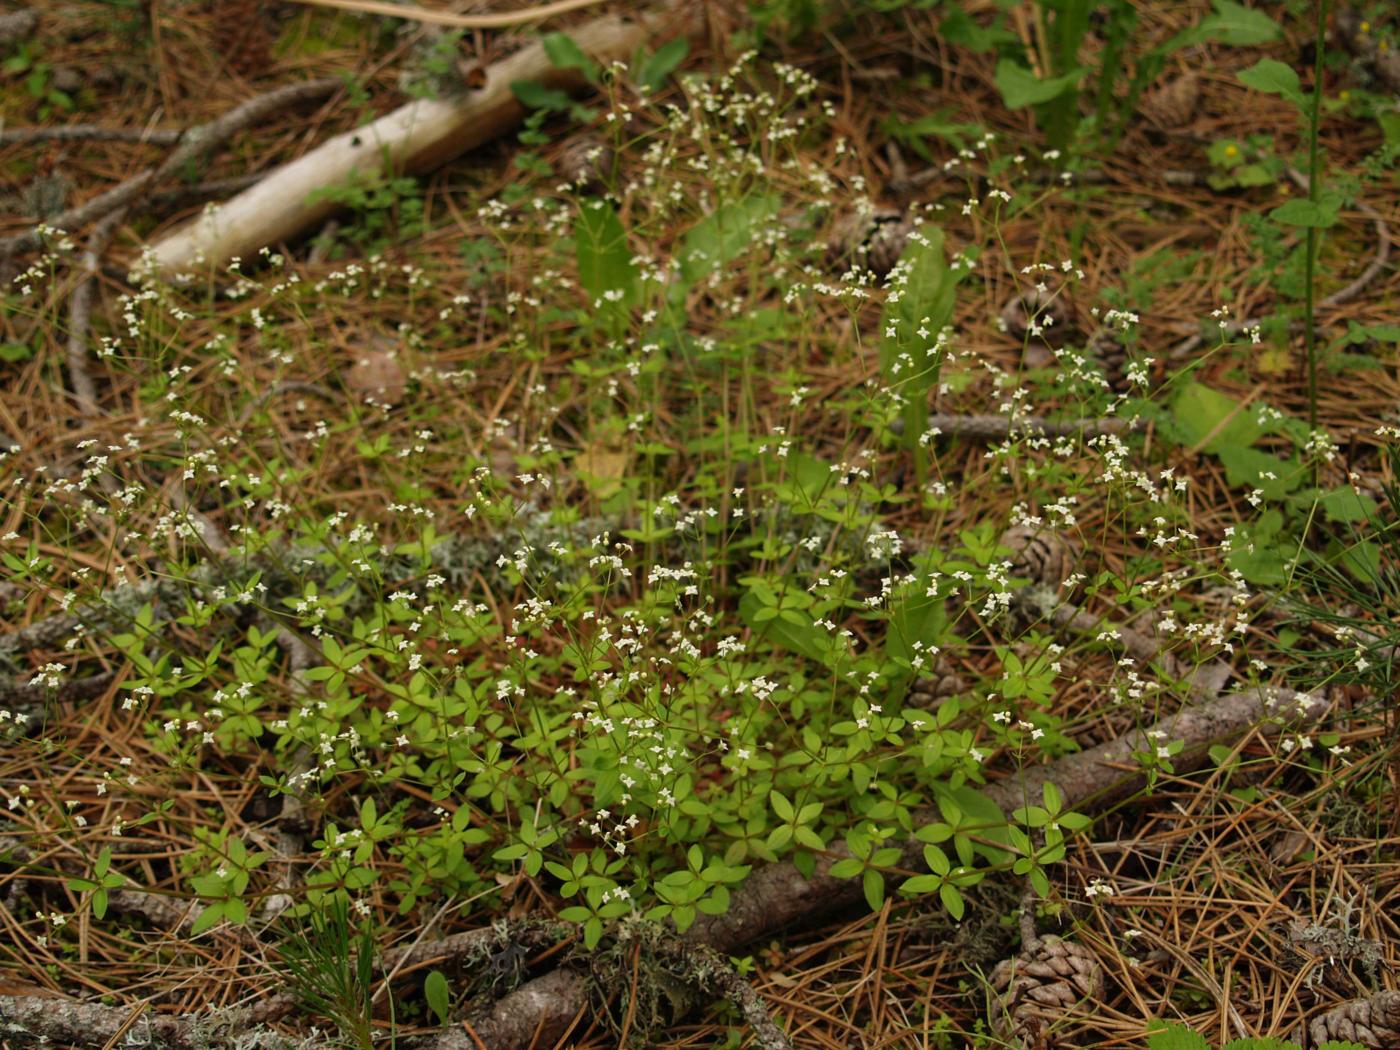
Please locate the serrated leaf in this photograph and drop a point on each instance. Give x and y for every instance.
(1319, 214)
(1274, 77)
(1177, 1037)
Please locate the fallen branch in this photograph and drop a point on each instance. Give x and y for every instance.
(91, 133)
(414, 138)
(72, 1022)
(194, 144)
(80, 319)
(414, 13)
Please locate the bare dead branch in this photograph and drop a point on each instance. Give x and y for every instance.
(194, 144)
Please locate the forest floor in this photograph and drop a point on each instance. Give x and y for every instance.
(603, 543)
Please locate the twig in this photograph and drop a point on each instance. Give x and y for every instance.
(91, 133)
(415, 138)
(427, 16)
(198, 141)
(72, 1022)
(80, 317)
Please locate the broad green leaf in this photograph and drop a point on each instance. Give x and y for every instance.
(652, 76)
(564, 53)
(207, 919)
(533, 94)
(1020, 87)
(1200, 412)
(1250, 468)
(781, 806)
(1348, 505)
(935, 125)
(721, 237)
(1232, 24)
(1274, 77)
(1320, 213)
(605, 267)
(918, 307)
(438, 995)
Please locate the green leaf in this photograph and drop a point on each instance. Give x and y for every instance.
(1176, 1037)
(1347, 505)
(918, 307)
(1232, 24)
(14, 352)
(959, 28)
(1200, 412)
(1319, 214)
(604, 258)
(721, 236)
(208, 918)
(1250, 468)
(661, 65)
(1020, 87)
(1274, 77)
(439, 997)
(873, 884)
(565, 54)
(534, 95)
(846, 868)
(952, 900)
(781, 806)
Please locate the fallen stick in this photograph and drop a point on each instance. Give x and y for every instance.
(414, 138)
(91, 133)
(428, 16)
(57, 1019)
(80, 318)
(198, 141)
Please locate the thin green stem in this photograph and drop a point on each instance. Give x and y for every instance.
(1314, 190)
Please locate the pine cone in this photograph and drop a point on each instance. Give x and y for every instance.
(1106, 349)
(585, 162)
(1045, 981)
(874, 238)
(1173, 105)
(1039, 320)
(1373, 1022)
(1040, 555)
(928, 693)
